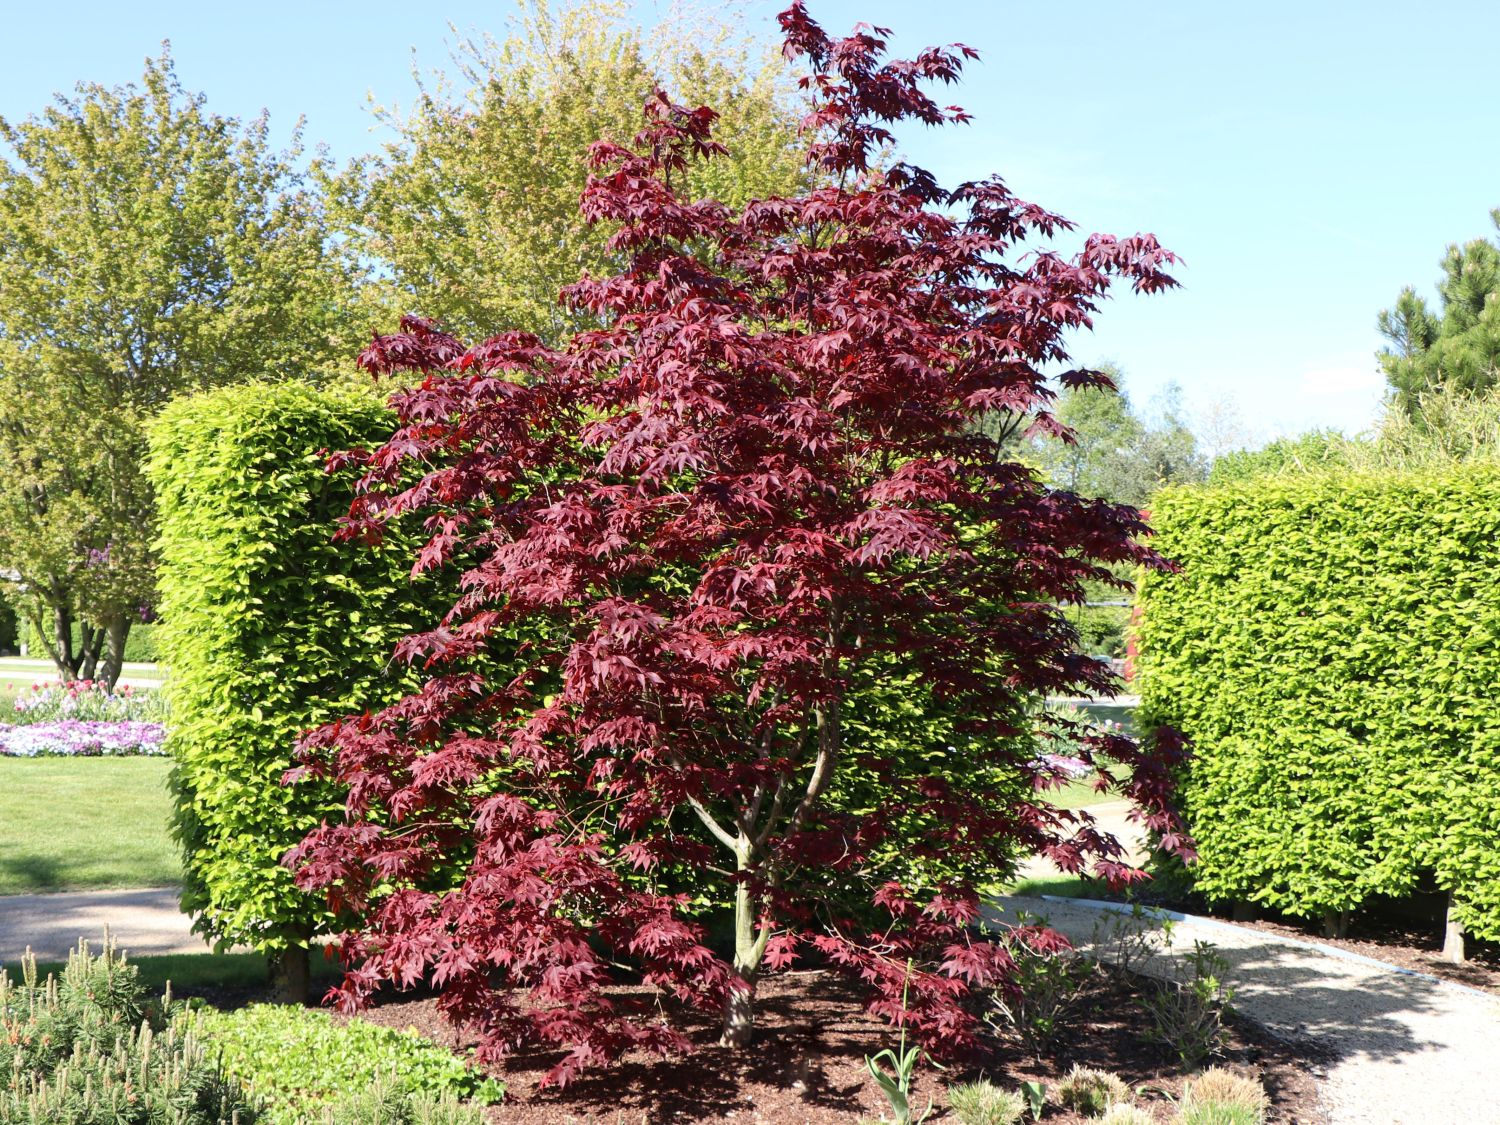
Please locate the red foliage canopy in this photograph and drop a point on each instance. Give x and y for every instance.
(763, 477)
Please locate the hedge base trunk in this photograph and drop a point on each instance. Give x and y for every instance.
(1243, 910)
(291, 976)
(1453, 937)
(1335, 923)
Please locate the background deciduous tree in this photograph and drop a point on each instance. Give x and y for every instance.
(1115, 452)
(147, 247)
(748, 502)
(473, 212)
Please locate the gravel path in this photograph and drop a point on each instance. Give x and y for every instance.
(1411, 1049)
(143, 923)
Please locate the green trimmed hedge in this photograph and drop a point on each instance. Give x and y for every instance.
(1331, 647)
(140, 645)
(268, 628)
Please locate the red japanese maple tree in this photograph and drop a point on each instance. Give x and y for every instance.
(718, 524)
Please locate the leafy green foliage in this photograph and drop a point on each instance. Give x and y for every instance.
(1035, 1094)
(1329, 647)
(91, 1049)
(270, 628)
(302, 1059)
(1309, 452)
(1447, 427)
(1187, 1010)
(1046, 986)
(1116, 452)
(147, 247)
(894, 1069)
(1458, 346)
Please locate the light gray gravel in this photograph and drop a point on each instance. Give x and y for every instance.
(1412, 1050)
(142, 922)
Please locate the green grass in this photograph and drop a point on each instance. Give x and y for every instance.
(70, 824)
(1061, 886)
(1081, 794)
(194, 973)
(188, 972)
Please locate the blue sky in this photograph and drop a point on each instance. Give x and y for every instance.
(1306, 159)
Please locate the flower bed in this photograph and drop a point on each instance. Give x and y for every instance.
(81, 738)
(83, 719)
(88, 701)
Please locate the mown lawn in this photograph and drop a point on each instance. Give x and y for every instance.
(1081, 794)
(84, 824)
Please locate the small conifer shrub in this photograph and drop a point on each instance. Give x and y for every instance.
(92, 1049)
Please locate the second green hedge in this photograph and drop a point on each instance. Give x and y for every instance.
(1331, 647)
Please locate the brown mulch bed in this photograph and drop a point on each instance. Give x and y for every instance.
(806, 1066)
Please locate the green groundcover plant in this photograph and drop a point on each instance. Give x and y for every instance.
(1329, 646)
(299, 1059)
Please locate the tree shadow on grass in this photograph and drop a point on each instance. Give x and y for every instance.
(30, 873)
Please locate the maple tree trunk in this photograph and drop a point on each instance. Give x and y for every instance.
(739, 1005)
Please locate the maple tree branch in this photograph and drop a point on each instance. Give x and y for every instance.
(828, 750)
(707, 817)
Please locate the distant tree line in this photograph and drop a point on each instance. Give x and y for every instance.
(150, 247)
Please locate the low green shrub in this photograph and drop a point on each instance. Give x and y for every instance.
(140, 645)
(1091, 1092)
(984, 1103)
(1187, 1010)
(92, 1049)
(302, 1060)
(1042, 996)
(1218, 1113)
(1122, 1113)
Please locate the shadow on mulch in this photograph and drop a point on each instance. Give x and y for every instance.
(806, 1066)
